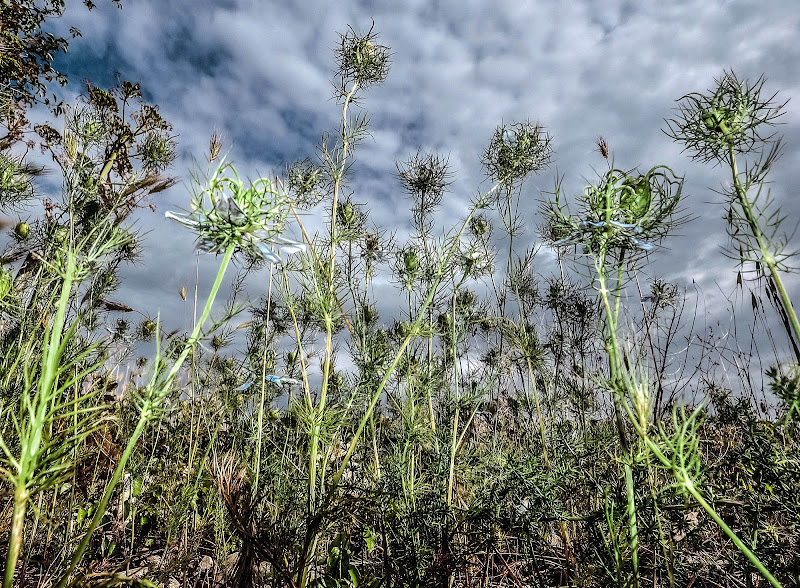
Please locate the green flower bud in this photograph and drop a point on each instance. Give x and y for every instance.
(22, 230)
(411, 261)
(636, 197)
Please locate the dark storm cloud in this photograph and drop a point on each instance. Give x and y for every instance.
(260, 73)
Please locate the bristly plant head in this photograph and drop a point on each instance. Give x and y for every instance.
(252, 217)
(361, 61)
(626, 211)
(425, 178)
(726, 119)
(16, 185)
(515, 151)
(306, 183)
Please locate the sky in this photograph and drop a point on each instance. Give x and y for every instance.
(259, 72)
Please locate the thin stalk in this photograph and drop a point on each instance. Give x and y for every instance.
(538, 412)
(763, 245)
(453, 443)
(263, 388)
(689, 485)
(149, 406)
(452, 458)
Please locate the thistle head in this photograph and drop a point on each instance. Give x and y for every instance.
(227, 212)
(515, 151)
(361, 61)
(728, 118)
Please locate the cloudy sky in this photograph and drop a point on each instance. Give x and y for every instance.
(259, 72)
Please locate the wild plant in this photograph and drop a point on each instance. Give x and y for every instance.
(718, 126)
(468, 429)
(78, 239)
(54, 414)
(621, 219)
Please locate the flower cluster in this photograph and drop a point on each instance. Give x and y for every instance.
(251, 218)
(626, 211)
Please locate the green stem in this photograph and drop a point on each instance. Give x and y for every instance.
(729, 532)
(154, 397)
(38, 417)
(21, 496)
(620, 403)
(763, 246)
(263, 390)
(452, 458)
(633, 529)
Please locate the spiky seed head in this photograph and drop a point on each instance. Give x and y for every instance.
(411, 261)
(148, 328)
(348, 215)
(479, 225)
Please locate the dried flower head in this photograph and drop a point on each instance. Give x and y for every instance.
(602, 146)
(214, 146)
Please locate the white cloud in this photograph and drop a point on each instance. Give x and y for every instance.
(260, 73)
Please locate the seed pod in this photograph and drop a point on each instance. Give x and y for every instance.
(22, 230)
(717, 120)
(367, 52)
(710, 120)
(370, 314)
(61, 234)
(411, 261)
(348, 215)
(636, 197)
